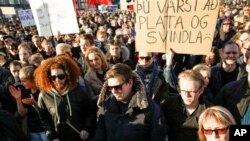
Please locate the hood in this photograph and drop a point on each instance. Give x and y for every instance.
(124, 53)
(55, 95)
(138, 87)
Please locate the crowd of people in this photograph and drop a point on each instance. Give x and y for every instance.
(95, 86)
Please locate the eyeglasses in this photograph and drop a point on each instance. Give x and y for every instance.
(231, 52)
(147, 58)
(60, 77)
(217, 131)
(189, 92)
(116, 88)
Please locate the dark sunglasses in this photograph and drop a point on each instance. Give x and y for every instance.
(147, 58)
(116, 88)
(60, 77)
(231, 52)
(217, 131)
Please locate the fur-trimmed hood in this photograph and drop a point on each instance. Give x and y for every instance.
(139, 93)
(124, 54)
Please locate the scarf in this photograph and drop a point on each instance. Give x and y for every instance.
(153, 72)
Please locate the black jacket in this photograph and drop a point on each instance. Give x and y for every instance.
(7, 102)
(235, 96)
(216, 80)
(74, 106)
(181, 126)
(9, 128)
(133, 121)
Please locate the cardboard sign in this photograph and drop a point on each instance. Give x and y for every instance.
(8, 10)
(54, 16)
(185, 26)
(26, 17)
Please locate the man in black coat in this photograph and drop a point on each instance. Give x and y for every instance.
(125, 112)
(235, 96)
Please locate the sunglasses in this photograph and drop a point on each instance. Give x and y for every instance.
(231, 52)
(60, 77)
(147, 58)
(116, 88)
(217, 131)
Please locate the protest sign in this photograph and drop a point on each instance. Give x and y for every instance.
(108, 8)
(54, 16)
(26, 17)
(185, 26)
(8, 10)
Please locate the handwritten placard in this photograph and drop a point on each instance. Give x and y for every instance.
(54, 16)
(41, 17)
(185, 26)
(26, 17)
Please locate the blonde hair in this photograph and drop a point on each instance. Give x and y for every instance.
(220, 114)
(192, 75)
(201, 67)
(99, 53)
(27, 72)
(36, 59)
(25, 46)
(62, 48)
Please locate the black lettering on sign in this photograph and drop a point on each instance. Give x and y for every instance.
(211, 5)
(143, 7)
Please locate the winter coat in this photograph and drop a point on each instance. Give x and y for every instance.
(222, 38)
(235, 96)
(134, 121)
(216, 80)
(181, 126)
(158, 87)
(93, 83)
(73, 106)
(9, 128)
(83, 65)
(7, 102)
(125, 57)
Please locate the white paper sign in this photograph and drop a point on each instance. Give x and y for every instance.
(54, 16)
(26, 17)
(41, 17)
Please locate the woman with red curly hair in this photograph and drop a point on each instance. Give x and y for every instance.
(63, 101)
